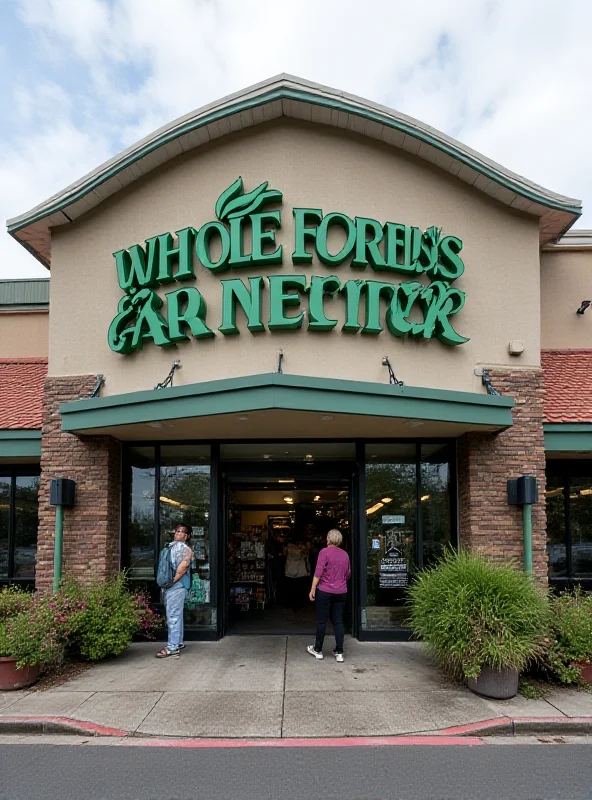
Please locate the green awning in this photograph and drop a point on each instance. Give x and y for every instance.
(288, 393)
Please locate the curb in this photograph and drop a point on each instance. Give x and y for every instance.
(514, 726)
(56, 725)
(471, 733)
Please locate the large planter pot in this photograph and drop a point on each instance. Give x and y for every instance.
(496, 684)
(585, 672)
(13, 678)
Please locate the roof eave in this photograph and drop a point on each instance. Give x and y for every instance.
(286, 95)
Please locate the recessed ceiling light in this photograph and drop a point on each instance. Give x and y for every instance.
(267, 456)
(413, 423)
(154, 424)
(243, 418)
(326, 417)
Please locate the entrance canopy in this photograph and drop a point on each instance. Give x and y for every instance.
(276, 405)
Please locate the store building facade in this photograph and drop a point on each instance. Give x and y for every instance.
(292, 310)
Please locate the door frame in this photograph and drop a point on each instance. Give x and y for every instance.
(238, 472)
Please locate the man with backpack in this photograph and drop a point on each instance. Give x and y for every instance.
(174, 578)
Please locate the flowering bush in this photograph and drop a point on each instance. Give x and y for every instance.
(107, 617)
(38, 633)
(13, 600)
(90, 622)
(570, 639)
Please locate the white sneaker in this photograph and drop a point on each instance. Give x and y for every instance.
(310, 649)
(338, 657)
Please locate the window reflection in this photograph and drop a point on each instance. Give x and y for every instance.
(140, 530)
(391, 516)
(26, 520)
(435, 500)
(4, 525)
(556, 539)
(581, 527)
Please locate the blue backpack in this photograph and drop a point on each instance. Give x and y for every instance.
(165, 572)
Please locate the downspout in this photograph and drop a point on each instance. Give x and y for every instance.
(527, 537)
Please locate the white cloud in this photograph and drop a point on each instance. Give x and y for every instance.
(509, 78)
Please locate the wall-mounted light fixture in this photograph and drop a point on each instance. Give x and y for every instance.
(392, 377)
(584, 306)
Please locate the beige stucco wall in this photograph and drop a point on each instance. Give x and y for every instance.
(566, 280)
(24, 334)
(314, 166)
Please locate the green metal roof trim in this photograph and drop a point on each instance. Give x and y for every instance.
(289, 392)
(289, 88)
(20, 444)
(30, 292)
(568, 437)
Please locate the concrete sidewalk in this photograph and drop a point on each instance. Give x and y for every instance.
(268, 687)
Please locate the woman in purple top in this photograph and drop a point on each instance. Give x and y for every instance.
(329, 592)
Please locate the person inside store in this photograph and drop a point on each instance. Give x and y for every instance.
(296, 572)
(329, 593)
(175, 593)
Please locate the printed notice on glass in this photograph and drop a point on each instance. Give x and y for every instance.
(393, 573)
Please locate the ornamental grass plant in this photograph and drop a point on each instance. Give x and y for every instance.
(472, 614)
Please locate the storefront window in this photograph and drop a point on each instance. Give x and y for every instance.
(408, 523)
(435, 499)
(141, 521)
(580, 494)
(185, 498)
(4, 526)
(26, 523)
(391, 528)
(168, 485)
(556, 539)
(569, 522)
(19, 522)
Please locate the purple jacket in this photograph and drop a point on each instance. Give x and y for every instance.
(333, 570)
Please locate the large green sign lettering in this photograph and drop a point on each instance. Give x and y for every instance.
(244, 235)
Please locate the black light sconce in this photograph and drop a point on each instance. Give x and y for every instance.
(583, 307)
(392, 377)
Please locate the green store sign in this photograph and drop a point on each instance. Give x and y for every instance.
(244, 236)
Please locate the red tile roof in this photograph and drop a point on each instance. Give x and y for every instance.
(21, 392)
(568, 383)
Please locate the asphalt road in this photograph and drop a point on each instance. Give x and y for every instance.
(28, 772)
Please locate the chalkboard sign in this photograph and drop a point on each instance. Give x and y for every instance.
(393, 573)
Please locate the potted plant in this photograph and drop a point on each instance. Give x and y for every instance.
(568, 655)
(32, 636)
(483, 622)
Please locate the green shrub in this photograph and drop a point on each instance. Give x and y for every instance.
(13, 600)
(472, 613)
(107, 618)
(570, 638)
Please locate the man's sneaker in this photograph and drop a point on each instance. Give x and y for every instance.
(338, 657)
(310, 649)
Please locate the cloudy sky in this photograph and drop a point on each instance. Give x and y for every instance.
(82, 79)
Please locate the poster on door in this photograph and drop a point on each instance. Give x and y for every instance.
(393, 573)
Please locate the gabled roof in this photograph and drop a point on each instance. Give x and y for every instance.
(286, 95)
(21, 392)
(568, 380)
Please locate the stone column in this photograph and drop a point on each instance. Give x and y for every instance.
(91, 527)
(486, 461)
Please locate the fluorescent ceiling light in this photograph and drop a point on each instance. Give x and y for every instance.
(286, 480)
(425, 497)
(386, 499)
(174, 503)
(374, 508)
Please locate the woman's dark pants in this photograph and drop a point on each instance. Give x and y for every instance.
(329, 605)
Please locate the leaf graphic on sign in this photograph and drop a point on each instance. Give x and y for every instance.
(232, 203)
